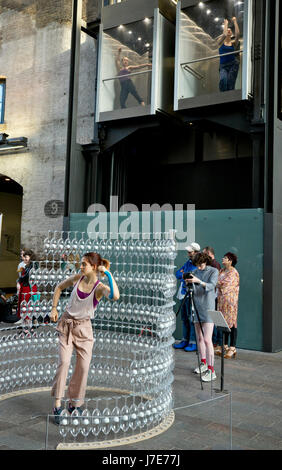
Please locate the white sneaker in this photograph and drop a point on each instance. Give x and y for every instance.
(203, 368)
(208, 376)
(19, 322)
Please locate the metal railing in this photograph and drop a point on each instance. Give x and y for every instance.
(119, 77)
(210, 57)
(195, 73)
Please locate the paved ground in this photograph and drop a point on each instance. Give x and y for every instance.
(248, 416)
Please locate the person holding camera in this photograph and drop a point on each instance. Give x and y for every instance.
(204, 280)
(188, 342)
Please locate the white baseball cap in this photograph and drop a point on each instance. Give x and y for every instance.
(193, 247)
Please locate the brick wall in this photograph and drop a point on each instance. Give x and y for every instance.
(35, 59)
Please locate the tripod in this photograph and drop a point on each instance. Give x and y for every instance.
(192, 310)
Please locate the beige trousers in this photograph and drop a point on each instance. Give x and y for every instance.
(77, 334)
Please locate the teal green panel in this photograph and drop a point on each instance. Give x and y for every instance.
(241, 232)
(238, 231)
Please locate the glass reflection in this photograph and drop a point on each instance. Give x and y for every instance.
(126, 62)
(211, 45)
(279, 81)
(112, 2)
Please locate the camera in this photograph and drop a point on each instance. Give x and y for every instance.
(188, 275)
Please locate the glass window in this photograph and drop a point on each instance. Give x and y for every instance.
(211, 45)
(219, 145)
(126, 66)
(280, 66)
(2, 99)
(86, 89)
(112, 2)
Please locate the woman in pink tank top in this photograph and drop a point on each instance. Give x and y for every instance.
(75, 329)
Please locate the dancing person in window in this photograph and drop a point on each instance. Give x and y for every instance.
(127, 86)
(75, 328)
(229, 64)
(227, 301)
(204, 280)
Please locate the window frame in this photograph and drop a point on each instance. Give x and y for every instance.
(211, 99)
(2, 103)
(279, 68)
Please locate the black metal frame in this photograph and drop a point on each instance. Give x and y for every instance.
(279, 71)
(210, 99)
(3, 82)
(134, 10)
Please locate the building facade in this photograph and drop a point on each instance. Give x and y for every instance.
(35, 58)
(192, 134)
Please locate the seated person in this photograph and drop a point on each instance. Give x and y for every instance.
(6, 311)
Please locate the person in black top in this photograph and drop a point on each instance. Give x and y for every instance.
(6, 310)
(26, 291)
(208, 250)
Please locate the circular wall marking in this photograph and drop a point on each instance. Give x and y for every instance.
(162, 427)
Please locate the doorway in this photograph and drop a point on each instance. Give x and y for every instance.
(11, 195)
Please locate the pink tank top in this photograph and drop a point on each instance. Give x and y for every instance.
(82, 305)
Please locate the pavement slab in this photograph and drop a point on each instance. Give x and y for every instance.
(204, 419)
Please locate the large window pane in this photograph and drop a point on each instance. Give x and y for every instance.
(126, 59)
(2, 100)
(211, 44)
(219, 145)
(112, 2)
(86, 89)
(280, 65)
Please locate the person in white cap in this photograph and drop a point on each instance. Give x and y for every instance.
(188, 342)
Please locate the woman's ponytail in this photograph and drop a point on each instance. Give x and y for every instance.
(106, 263)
